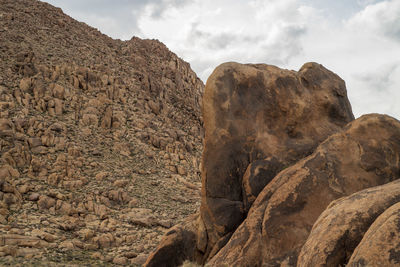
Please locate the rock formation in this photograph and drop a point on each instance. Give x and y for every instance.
(255, 112)
(364, 155)
(99, 148)
(265, 116)
(99, 140)
(288, 178)
(340, 228)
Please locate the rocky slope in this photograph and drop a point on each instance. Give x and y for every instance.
(289, 178)
(100, 140)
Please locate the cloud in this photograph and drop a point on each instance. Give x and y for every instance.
(382, 78)
(117, 18)
(379, 90)
(381, 18)
(364, 3)
(158, 7)
(289, 33)
(222, 30)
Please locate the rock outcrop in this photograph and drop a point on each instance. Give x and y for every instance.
(299, 186)
(266, 117)
(255, 112)
(365, 154)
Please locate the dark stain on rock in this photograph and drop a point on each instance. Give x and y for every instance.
(394, 256)
(264, 175)
(360, 263)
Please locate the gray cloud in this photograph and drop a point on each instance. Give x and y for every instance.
(381, 79)
(213, 41)
(196, 35)
(160, 6)
(378, 90)
(223, 40)
(277, 51)
(382, 18)
(392, 28)
(117, 18)
(286, 47)
(337, 9)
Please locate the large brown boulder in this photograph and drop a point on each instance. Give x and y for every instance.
(343, 224)
(380, 245)
(255, 112)
(364, 155)
(266, 116)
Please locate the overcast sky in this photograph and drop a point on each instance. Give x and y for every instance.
(357, 39)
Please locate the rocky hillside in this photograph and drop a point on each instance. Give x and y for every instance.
(289, 178)
(100, 140)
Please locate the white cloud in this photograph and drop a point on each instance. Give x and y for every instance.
(209, 32)
(117, 18)
(379, 90)
(382, 19)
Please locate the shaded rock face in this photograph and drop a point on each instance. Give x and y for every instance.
(380, 245)
(177, 245)
(258, 174)
(252, 113)
(365, 154)
(340, 228)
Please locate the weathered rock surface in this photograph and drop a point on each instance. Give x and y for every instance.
(363, 155)
(380, 245)
(253, 112)
(266, 116)
(178, 245)
(258, 174)
(92, 132)
(340, 228)
(99, 148)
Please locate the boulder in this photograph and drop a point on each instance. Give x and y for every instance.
(380, 245)
(6, 128)
(107, 119)
(266, 116)
(178, 245)
(254, 112)
(46, 202)
(139, 216)
(58, 91)
(365, 154)
(25, 84)
(343, 224)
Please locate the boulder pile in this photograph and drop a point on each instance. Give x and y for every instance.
(289, 178)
